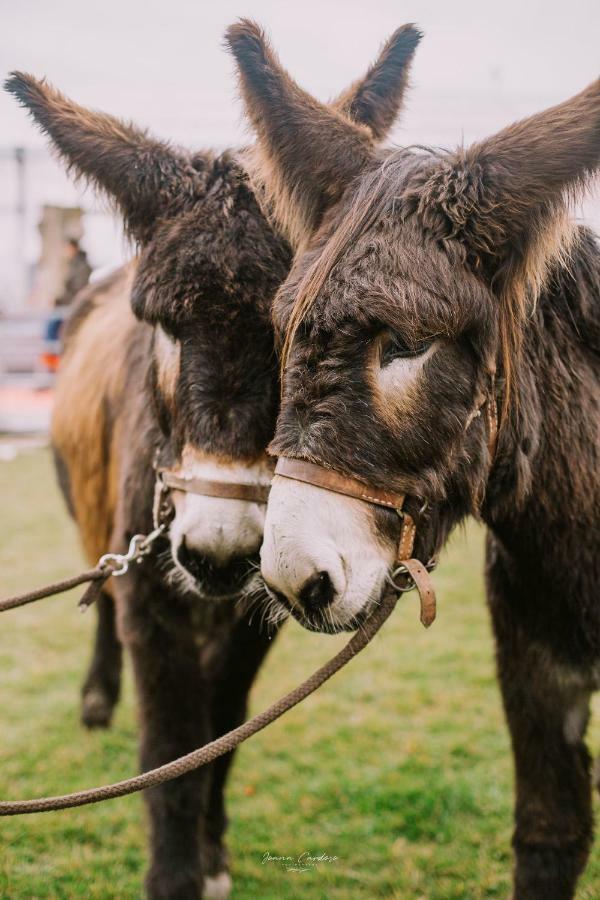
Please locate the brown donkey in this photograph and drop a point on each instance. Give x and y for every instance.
(429, 288)
(174, 356)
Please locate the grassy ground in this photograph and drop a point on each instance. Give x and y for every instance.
(399, 769)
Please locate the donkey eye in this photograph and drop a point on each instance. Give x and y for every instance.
(395, 347)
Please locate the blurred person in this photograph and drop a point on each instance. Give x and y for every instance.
(78, 272)
(78, 275)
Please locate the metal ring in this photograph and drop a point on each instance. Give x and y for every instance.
(410, 584)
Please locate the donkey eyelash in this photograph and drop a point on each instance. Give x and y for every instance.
(396, 347)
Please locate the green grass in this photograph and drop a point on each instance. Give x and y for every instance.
(399, 768)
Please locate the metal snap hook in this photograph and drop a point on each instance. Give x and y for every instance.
(139, 546)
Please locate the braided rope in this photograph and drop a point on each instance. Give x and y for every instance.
(98, 574)
(225, 744)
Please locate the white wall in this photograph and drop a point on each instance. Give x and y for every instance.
(480, 66)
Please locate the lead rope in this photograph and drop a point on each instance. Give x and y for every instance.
(111, 564)
(58, 587)
(224, 744)
(140, 546)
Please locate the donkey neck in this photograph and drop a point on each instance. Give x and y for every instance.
(545, 482)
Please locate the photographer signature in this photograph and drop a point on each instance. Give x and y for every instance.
(304, 862)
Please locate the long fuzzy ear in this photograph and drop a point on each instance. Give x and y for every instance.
(506, 197)
(143, 176)
(376, 99)
(308, 152)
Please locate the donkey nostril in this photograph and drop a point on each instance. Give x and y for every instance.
(214, 576)
(317, 592)
(197, 564)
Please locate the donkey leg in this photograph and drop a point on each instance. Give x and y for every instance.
(174, 720)
(554, 826)
(232, 665)
(101, 688)
(547, 715)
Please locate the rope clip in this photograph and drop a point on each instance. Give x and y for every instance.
(139, 547)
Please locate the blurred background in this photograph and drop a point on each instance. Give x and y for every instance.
(401, 769)
(479, 67)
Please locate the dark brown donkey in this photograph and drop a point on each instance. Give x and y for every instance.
(190, 373)
(430, 287)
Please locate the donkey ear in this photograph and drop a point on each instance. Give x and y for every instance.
(307, 152)
(143, 176)
(507, 197)
(376, 99)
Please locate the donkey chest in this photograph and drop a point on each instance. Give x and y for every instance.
(211, 620)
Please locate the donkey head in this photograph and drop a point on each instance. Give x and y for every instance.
(209, 265)
(415, 273)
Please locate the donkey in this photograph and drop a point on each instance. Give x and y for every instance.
(170, 363)
(428, 288)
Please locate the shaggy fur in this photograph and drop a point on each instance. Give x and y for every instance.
(472, 249)
(195, 369)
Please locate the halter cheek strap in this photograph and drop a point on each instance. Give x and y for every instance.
(330, 480)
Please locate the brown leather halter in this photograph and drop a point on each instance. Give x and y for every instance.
(416, 573)
(405, 564)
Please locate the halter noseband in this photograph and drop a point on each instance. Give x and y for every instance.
(167, 481)
(206, 487)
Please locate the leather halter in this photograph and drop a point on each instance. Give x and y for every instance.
(331, 480)
(416, 572)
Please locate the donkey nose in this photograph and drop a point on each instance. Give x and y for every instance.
(317, 592)
(211, 572)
